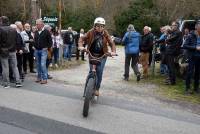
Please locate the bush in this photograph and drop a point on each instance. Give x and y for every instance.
(81, 18)
(140, 13)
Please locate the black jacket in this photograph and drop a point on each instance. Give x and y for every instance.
(146, 43)
(8, 39)
(19, 43)
(68, 38)
(174, 42)
(190, 45)
(43, 40)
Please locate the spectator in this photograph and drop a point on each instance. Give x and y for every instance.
(20, 44)
(43, 41)
(19, 52)
(192, 45)
(8, 38)
(29, 50)
(174, 41)
(34, 29)
(186, 33)
(131, 40)
(78, 51)
(162, 44)
(49, 53)
(145, 48)
(68, 42)
(57, 41)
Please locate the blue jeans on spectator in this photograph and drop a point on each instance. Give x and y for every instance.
(11, 61)
(193, 69)
(99, 72)
(41, 58)
(163, 69)
(55, 54)
(67, 51)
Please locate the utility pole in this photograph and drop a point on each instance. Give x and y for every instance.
(35, 10)
(60, 14)
(59, 28)
(24, 8)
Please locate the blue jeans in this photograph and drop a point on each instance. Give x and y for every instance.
(11, 61)
(55, 54)
(99, 72)
(67, 51)
(193, 69)
(41, 58)
(163, 69)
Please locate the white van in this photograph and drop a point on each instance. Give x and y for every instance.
(190, 24)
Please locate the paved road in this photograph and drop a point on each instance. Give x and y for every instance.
(123, 107)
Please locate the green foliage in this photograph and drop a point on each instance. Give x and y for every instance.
(15, 14)
(80, 18)
(139, 13)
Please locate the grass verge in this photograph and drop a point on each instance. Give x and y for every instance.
(66, 64)
(175, 92)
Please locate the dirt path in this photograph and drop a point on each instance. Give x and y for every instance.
(113, 85)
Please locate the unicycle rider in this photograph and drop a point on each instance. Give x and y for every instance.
(98, 40)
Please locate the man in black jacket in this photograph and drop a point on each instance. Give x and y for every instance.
(43, 41)
(174, 42)
(68, 41)
(145, 48)
(8, 43)
(192, 45)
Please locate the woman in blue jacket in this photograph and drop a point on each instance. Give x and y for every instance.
(131, 40)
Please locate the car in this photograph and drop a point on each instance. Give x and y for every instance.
(190, 24)
(116, 40)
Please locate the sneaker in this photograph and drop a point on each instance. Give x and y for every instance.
(126, 79)
(43, 82)
(138, 77)
(32, 71)
(49, 77)
(18, 85)
(6, 86)
(56, 65)
(38, 81)
(170, 83)
(50, 65)
(96, 93)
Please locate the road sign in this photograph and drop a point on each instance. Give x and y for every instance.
(50, 20)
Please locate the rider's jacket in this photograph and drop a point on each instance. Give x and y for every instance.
(91, 36)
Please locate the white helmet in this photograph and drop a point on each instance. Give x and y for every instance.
(99, 20)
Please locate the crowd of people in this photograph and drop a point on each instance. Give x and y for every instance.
(21, 44)
(26, 48)
(172, 43)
